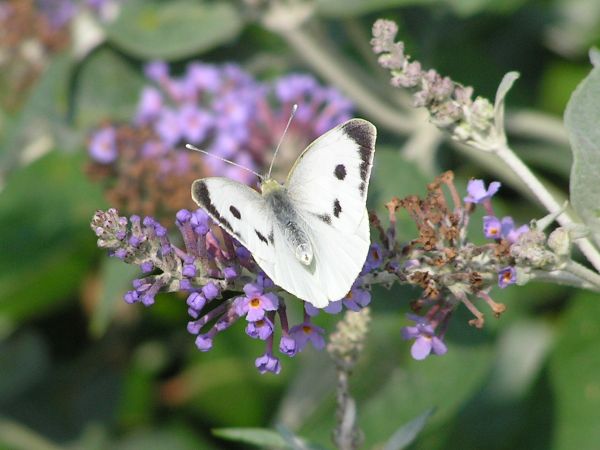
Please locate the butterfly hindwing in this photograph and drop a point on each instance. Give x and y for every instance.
(240, 210)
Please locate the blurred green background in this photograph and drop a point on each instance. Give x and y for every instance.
(79, 369)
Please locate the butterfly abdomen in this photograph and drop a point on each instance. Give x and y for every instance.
(291, 223)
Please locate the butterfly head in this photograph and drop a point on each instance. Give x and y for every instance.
(269, 185)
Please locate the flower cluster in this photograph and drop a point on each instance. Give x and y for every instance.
(208, 268)
(219, 108)
(223, 284)
(449, 103)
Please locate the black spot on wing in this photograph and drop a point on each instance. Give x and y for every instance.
(340, 172)
(271, 238)
(337, 208)
(235, 212)
(261, 237)
(363, 134)
(202, 196)
(324, 217)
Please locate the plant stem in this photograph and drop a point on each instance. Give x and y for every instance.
(332, 69)
(545, 198)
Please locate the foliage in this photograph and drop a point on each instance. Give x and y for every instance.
(81, 369)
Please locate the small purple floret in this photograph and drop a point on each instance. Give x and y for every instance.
(287, 346)
(261, 329)
(211, 291)
(426, 342)
(507, 276)
(255, 303)
(103, 146)
(204, 342)
(268, 363)
(477, 192)
(307, 332)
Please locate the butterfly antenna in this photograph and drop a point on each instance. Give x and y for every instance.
(292, 114)
(196, 149)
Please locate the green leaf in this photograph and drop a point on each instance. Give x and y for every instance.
(42, 118)
(15, 436)
(174, 29)
(408, 432)
(348, 8)
(581, 119)
(505, 85)
(108, 88)
(116, 279)
(173, 438)
(261, 437)
(393, 176)
(574, 369)
(23, 363)
(46, 243)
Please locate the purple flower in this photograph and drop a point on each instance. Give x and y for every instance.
(203, 76)
(211, 291)
(168, 127)
(307, 332)
(492, 227)
(229, 273)
(204, 342)
(195, 123)
(58, 12)
(507, 276)
(103, 145)
(477, 192)
(196, 301)
(255, 303)
(287, 345)
(201, 222)
(189, 267)
(374, 258)
(150, 105)
(357, 298)
(426, 341)
(157, 71)
(261, 329)
(513, 235)
(268, 363)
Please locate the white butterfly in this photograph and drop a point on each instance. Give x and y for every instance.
(311, 234)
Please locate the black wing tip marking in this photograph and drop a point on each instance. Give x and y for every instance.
(201, 195)
(363, 133)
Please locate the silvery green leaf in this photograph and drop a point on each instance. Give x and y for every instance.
(116, 279)
(296, 442)
(582, 119)
(261, 437)
(407, 433)
(595, 56)
(173, 30)
(505, 86)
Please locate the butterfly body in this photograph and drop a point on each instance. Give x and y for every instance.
(311, 234)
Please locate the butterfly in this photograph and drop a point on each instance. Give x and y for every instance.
(310, 235)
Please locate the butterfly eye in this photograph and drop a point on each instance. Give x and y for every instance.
(304, 253)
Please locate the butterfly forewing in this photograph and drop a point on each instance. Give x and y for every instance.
(240, 210)
(328, 187)
(330, 179)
